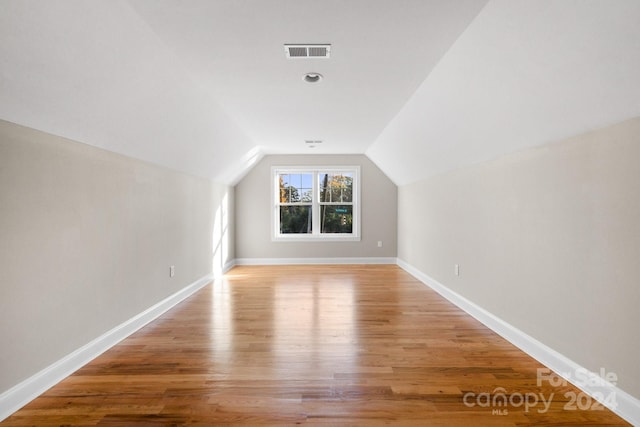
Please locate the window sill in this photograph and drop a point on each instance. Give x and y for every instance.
(316, 238)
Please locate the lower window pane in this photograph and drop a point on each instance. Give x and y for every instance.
(336, 219)
(295, 219)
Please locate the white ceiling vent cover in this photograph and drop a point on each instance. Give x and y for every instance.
(307, 50)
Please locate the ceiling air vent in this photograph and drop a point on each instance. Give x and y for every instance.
(307, 50)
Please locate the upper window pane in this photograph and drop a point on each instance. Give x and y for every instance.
(336, 187)
(296, 188)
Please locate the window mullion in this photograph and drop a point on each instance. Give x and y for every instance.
(315, 216)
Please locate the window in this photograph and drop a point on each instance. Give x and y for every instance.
(316, 203)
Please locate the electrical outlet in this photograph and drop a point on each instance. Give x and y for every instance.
(379, 243)
(172, 271)
(456, 269)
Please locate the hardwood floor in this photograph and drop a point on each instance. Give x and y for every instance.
(327, 345)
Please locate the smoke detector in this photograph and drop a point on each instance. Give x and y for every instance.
(307, 50)
(312, 143)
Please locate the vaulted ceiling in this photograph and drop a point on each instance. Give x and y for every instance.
(419, 86)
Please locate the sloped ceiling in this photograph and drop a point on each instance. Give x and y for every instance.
(203, 86)
(522, 74)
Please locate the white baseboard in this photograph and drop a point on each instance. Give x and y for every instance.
(312, 261)
(624, 405)
(24, 392)
(228, 266)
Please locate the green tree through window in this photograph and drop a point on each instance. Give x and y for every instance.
(295, 210)
(336, 198)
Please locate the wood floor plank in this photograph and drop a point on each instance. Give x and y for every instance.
(317, 345)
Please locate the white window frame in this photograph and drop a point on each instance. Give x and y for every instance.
(315, 235)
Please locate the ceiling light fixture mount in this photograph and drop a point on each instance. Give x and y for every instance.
(312, 77)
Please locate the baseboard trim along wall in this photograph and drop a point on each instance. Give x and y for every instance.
(616, 399)
(312, 261)
(24, 392)
(228, 266)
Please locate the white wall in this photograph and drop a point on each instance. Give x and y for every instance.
(548, 239)
(86, 240)
(253, 212)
